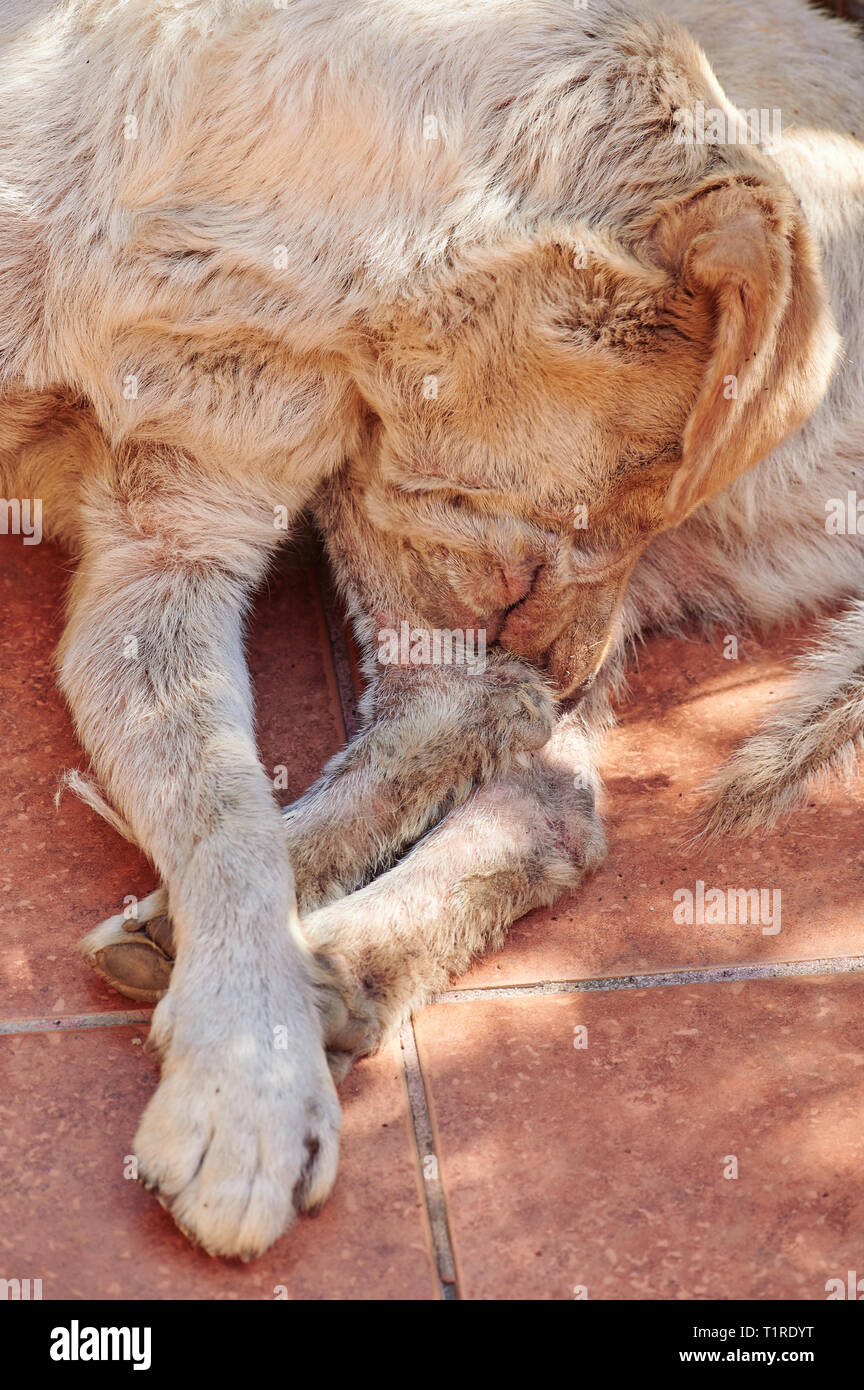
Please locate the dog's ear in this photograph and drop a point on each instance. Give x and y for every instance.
(739, 244)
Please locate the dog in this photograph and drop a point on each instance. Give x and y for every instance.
(548, 334)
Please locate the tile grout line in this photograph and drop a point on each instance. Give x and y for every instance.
(433, 1188)
(70, 1021)
(770, 970)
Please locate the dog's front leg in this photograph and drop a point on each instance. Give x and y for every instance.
(243, 1128)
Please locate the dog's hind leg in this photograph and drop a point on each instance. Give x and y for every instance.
(816, 730)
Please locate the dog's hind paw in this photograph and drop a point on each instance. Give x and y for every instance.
(134, 954)
(353, 1025)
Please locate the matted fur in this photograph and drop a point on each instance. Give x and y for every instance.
(230, 257)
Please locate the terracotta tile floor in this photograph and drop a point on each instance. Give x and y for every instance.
(614, 1106)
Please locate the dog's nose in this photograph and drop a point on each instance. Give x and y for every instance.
(493, 592)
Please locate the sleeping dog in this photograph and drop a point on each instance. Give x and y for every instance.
(545, 320)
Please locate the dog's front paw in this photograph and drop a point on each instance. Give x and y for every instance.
(519, 709)
(243, 1131)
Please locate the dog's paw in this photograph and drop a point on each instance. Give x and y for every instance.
(352, 1021)
(519, 709)
(243, 1130)
(134, 955)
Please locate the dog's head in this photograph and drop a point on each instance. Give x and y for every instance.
(560, 400)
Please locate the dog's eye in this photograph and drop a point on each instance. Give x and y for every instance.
(597, 565)
(424, 484)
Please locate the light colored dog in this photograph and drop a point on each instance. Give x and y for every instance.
(512, 292)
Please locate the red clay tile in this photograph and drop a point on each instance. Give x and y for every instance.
(70, 1218)
(62, 871)
(299, 720)
(688, 709)
(603, 1168)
